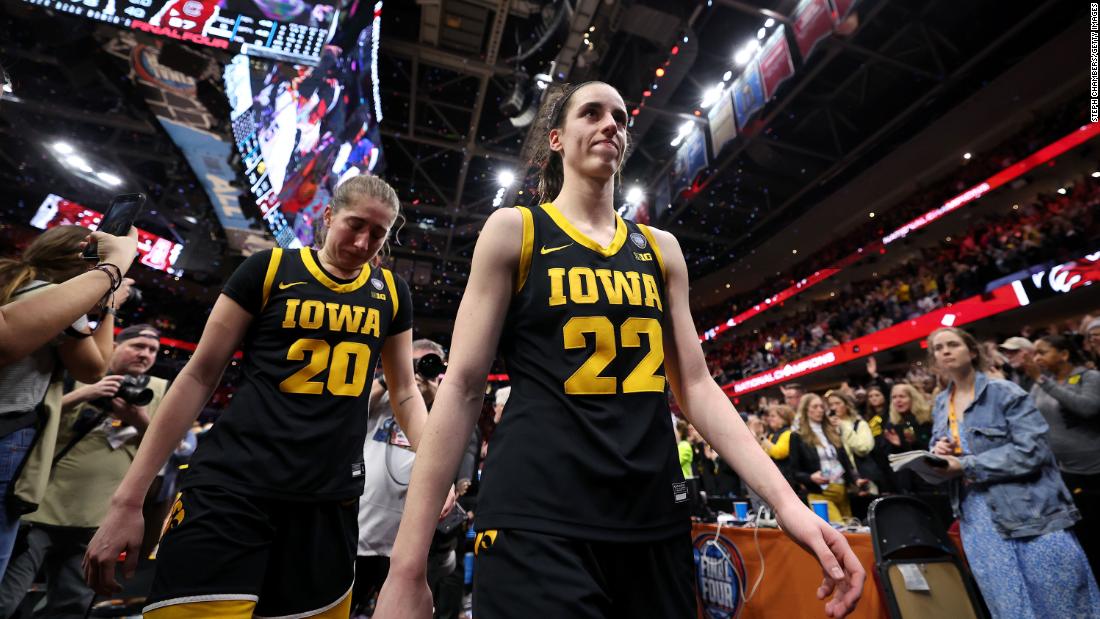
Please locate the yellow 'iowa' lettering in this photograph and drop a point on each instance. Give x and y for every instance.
(310, 314)
(585, 286)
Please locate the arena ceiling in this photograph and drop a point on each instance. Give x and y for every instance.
(460, 77)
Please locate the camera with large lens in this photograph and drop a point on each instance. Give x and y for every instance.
(430, 366)
(133, 390)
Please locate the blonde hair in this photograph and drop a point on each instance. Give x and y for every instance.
(53, 257)
(357, 188)
(805, 432)
(849, 403)
(786, 413)
(918, 405)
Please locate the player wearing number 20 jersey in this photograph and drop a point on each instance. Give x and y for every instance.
(584, 449)
(274, 483)
(296, 425)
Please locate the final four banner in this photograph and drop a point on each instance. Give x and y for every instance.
(776, 64)
(811, 22)
(748, 94)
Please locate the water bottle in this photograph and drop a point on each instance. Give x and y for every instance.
(468, 565)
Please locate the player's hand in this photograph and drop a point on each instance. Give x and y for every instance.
(843, 574)
(120, 532)
(404, 598)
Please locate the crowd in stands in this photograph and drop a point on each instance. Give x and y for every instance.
(1034, 407)
(1037, 134)
(1053, 229)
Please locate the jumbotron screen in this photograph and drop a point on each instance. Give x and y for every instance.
(156, 251)
(288, 30)
(301, 130)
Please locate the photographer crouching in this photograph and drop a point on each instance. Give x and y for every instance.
(101, 426)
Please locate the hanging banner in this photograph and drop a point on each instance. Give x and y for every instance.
(173, 98)
(843, 7)
(748, 94)
(690, 160)
(209, 158)
(776, 63)
(722, 126)
(811, 22)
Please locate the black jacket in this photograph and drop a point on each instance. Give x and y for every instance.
(804, 462)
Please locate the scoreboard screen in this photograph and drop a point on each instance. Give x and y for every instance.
(286, 30)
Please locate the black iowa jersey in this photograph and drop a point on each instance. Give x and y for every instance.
(585, 447)
(296, 425)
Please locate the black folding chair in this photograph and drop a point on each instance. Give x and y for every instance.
(909, 539)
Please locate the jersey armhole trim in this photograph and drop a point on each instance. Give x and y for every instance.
(388, 276)
(269, 277)
(656, 250)
(527, 247)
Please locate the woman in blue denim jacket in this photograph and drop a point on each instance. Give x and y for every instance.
(1014, 511)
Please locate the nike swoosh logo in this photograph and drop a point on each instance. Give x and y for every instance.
(284, 285)
(547, 250)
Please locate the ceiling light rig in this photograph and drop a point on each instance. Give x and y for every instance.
(77, 164)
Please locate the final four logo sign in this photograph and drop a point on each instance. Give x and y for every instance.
(720, 572)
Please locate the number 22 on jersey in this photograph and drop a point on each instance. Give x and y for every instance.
(587, 380)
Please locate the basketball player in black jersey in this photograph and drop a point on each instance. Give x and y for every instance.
(582, 508)
(267, 520)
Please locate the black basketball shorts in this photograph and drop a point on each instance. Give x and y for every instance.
(525, 574)
(228, 555)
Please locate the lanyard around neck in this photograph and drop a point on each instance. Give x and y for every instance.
(953, 420)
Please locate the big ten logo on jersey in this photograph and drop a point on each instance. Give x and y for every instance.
(377, 292)
(582, 286)
(639, 241)
(332, 316)
(720, 572)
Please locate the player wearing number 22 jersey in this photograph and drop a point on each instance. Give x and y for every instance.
(584, 447)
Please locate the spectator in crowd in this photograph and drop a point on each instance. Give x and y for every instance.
(499, 400)
(388, 460)
(50, 261)
(909, 428)
(1068, 396)
(1013, 509)
(910, 419)
(776, 439)
(819, 462)
(100, 431)
(876, 410)
(684, 449)
(856, 435)
(29, 322)
(717, 476)
(1091, 335)
(792, 394)
(1018, 350)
